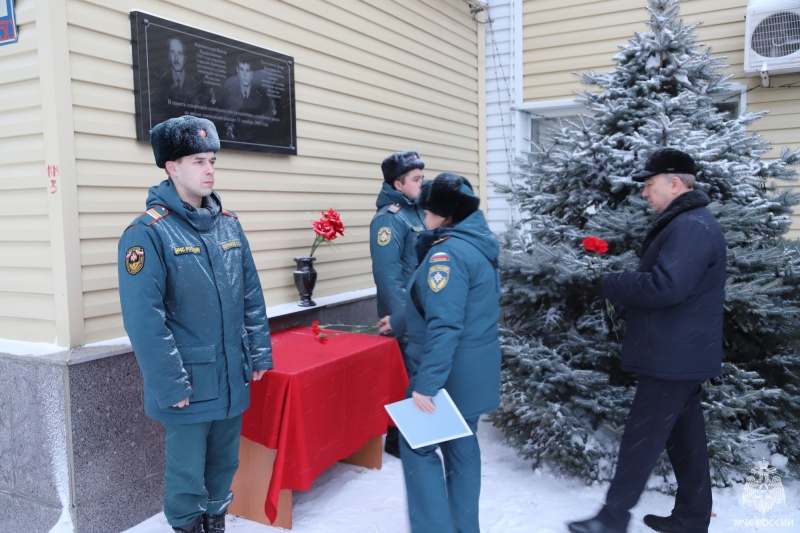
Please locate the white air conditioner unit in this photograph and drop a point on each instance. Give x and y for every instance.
(772, 37)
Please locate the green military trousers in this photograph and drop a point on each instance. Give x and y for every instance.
(201, 460)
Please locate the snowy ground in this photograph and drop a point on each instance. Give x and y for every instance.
(514, 499)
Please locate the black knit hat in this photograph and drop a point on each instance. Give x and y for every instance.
(186, 135)
(399, 163)
(666, 160)
(448, 195)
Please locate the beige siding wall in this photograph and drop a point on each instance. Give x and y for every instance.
(26, 277)
(564, 36)
(372, 77)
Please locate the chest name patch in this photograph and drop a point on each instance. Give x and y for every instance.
(181, 250)
(384, 236)
(134, 260)
(439, 257)
(438, 276)
(231, 244)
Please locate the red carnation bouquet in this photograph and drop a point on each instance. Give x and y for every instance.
(327, 228)
(599, 246)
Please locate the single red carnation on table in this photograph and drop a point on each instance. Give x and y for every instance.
(321, 337)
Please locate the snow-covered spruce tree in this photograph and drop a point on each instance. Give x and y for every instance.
(564, 398)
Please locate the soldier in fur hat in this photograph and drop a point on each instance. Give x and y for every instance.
(452, 311)
(194, 311)
(393, 233)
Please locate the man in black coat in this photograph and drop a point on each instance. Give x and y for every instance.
(674, 306)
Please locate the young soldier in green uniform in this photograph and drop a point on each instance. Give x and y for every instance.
(194, 311)
(393, 233)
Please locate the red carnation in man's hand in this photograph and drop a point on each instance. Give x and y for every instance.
(599, 246)
(593, 244)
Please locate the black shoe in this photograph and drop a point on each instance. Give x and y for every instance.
(192, 527)
(214, 523)
(593, 525)
(662, 524)
(669, 524)
(392, 444)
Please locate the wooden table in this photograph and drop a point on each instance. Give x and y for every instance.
(322, 403)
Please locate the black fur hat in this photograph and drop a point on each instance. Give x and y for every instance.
(186, 135)
(665, 161)
(399, 163)
(448, 195)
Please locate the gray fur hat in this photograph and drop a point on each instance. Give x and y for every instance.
(448, 195)
(399, 163)
(186, 135)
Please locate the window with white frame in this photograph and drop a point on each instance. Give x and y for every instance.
(541, 117)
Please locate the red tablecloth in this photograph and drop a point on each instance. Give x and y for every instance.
(321, 403)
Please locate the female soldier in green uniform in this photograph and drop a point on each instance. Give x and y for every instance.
(452, 311)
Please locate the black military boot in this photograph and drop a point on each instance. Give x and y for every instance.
(192, 527)
(392, 444)
(214, 523)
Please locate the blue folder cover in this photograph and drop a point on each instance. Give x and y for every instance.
(421, 428)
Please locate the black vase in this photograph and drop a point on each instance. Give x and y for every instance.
(305, 277)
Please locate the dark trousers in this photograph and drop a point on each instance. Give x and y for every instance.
(201, 460)
(444, 499)
(664, 414)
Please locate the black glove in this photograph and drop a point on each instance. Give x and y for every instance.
(618, 377)
(596, 287)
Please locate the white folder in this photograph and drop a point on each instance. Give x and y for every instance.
(423, 429)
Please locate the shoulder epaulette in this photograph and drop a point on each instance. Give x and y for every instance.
(154, 214)
(394, 208)
(151, 216)
(440, 240)
(229, 213)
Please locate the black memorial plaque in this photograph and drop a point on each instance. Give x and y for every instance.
(248, 92)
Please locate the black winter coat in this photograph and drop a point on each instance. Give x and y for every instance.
(674, 300)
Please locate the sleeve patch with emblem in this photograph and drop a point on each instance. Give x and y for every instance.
(384, 236)
(134, 260)
(438, 275)
(439, 257)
